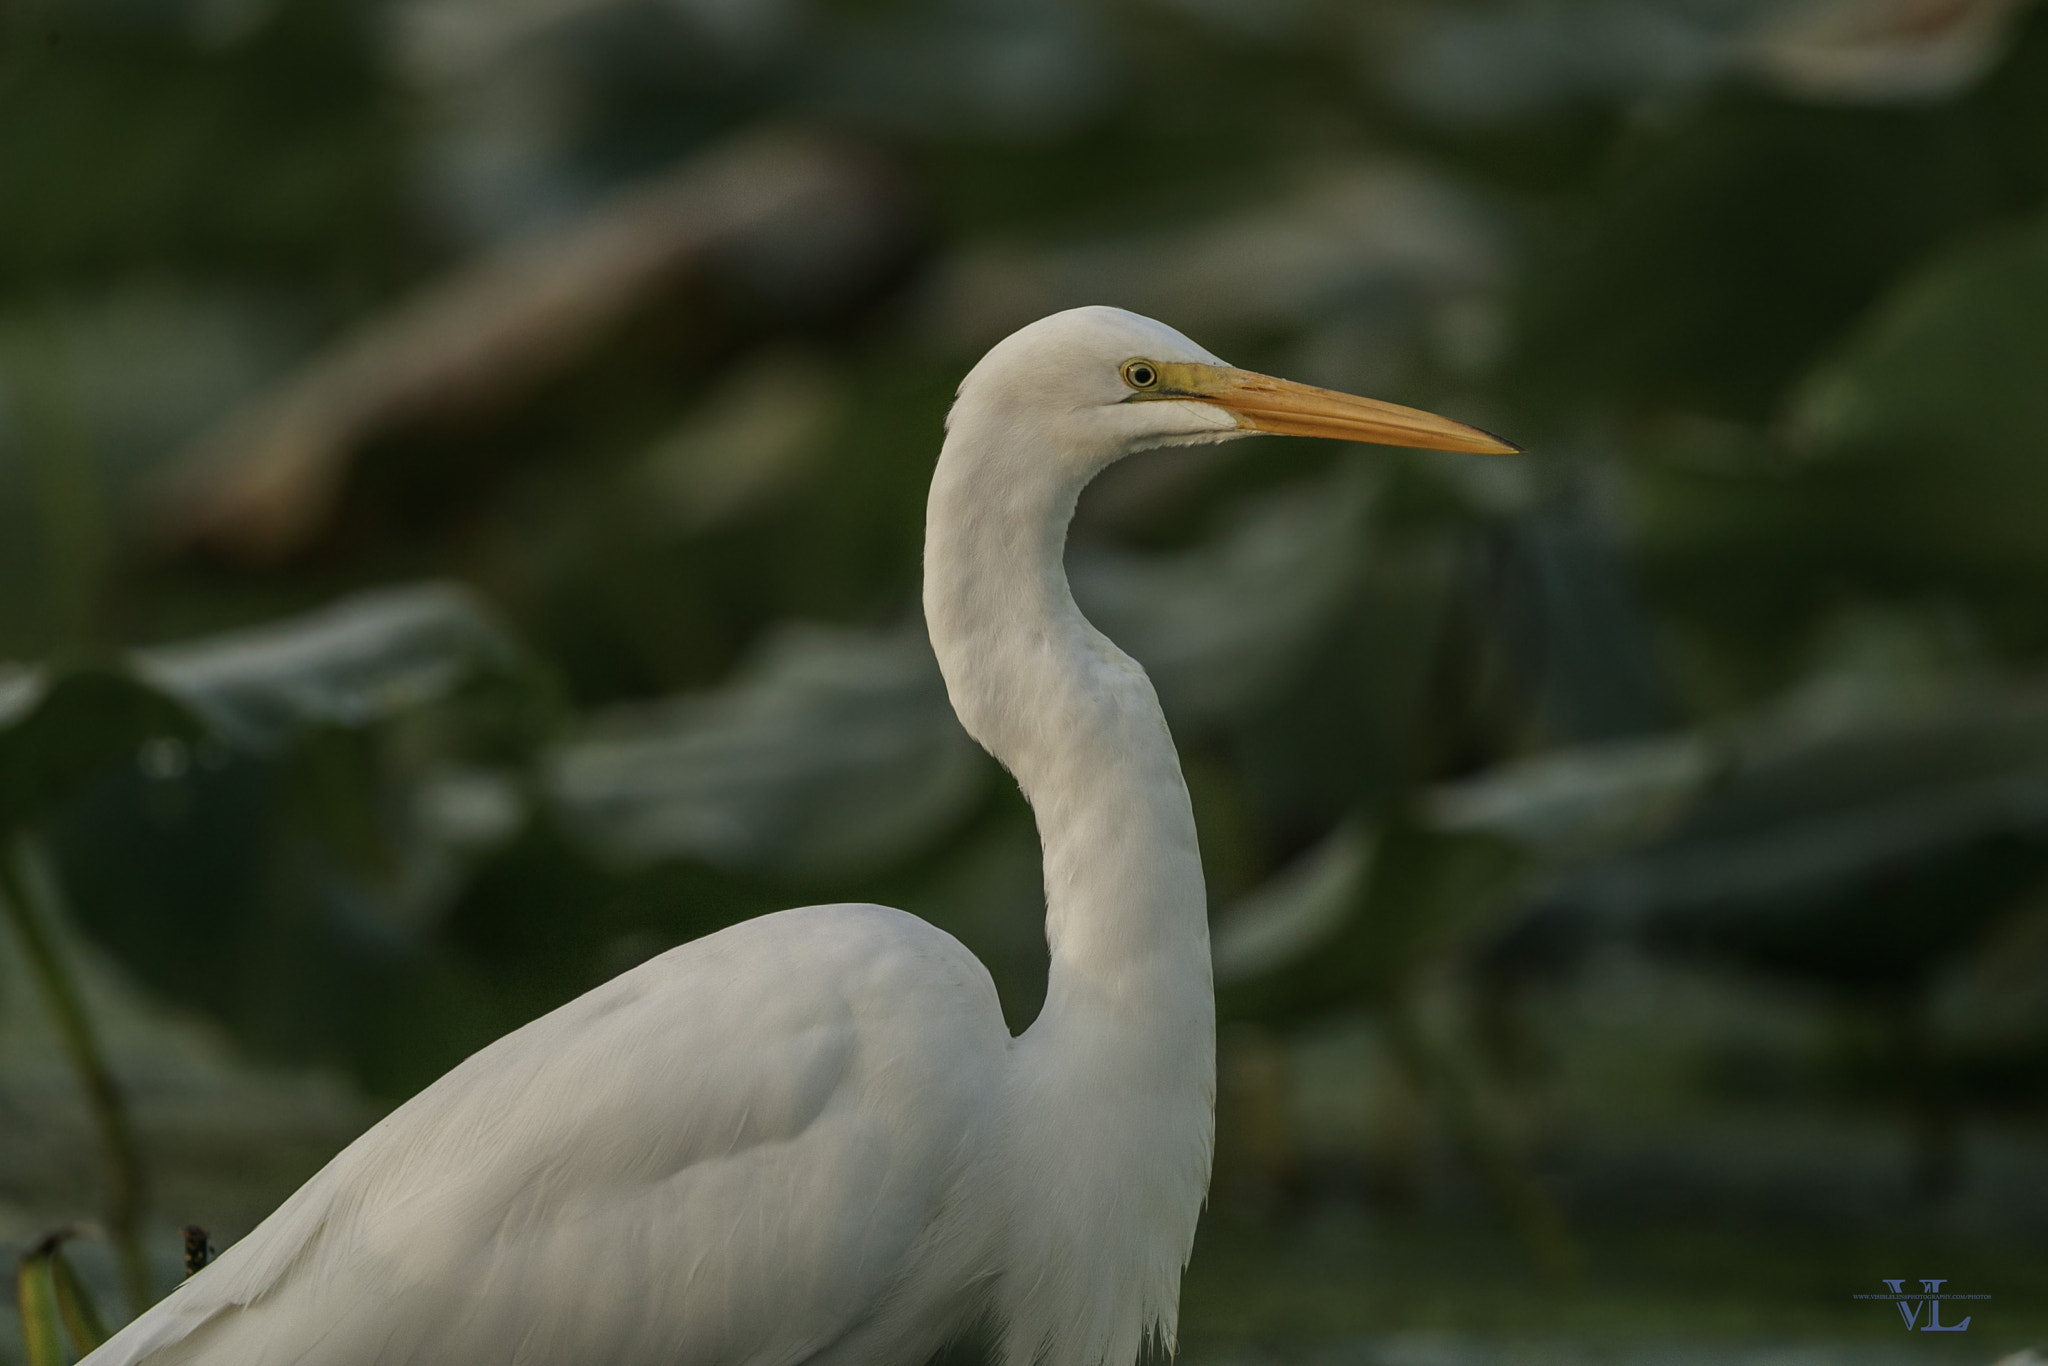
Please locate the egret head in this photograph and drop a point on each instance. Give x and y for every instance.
(1096, 384)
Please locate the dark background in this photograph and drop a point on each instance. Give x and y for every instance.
(1627, 860)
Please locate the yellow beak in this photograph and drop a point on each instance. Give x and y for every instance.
(1264, 404)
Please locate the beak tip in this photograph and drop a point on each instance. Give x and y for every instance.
(1503, 445)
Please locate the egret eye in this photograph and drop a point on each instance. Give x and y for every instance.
(1141, 374)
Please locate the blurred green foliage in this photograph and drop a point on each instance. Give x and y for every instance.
(638, 320)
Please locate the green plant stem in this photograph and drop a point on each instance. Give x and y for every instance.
(74, 1304)
(50, 1293)
(20, 895)
(35, 1294)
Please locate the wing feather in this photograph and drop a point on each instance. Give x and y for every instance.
(720, 1157)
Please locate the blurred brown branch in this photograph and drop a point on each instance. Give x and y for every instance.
(261, 484)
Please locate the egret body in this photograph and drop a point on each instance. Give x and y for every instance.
(810, 1138)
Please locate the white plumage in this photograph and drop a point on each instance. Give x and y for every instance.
(810, 1138)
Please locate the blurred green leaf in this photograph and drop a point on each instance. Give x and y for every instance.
(1223, 627)
(57, 738)
(149, 144)
(364, 660)
(1297, 912)
(75, 1304)
(282, 861)
(1730, 245)
(1583, 800)
(1948, 365)
(1365, 916)
(833, 753)
(1863, 851)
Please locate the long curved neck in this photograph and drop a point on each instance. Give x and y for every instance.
(1114, 1084)
(1071, 716)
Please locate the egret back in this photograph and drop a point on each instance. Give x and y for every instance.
(755, 1148)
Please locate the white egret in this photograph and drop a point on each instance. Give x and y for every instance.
(810, 1138)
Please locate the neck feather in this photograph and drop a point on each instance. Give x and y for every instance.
(1116, 1079)
(1072, 717)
